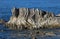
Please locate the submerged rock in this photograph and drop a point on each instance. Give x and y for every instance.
(50, 34)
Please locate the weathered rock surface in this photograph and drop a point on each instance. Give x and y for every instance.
(32, 18)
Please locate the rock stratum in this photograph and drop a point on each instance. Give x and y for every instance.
(31, 18)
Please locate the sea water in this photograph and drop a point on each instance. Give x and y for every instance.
(5, 13)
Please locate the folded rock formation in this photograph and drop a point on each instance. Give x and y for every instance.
(32, 18)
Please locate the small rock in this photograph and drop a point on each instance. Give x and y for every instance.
(34, 38)
(2, 21)
(50, 34)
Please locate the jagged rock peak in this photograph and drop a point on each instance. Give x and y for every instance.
(29, 12)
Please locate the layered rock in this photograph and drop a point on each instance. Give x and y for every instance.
(32, 18)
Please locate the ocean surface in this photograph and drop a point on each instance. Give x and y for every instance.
(5, 13)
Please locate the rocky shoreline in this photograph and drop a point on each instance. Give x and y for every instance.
(30, 18)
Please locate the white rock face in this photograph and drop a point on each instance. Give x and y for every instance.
(12, 20)
(33, 18)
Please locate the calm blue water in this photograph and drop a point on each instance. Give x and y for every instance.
(5, 13)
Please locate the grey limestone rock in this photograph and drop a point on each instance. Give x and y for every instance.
(32, 18)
